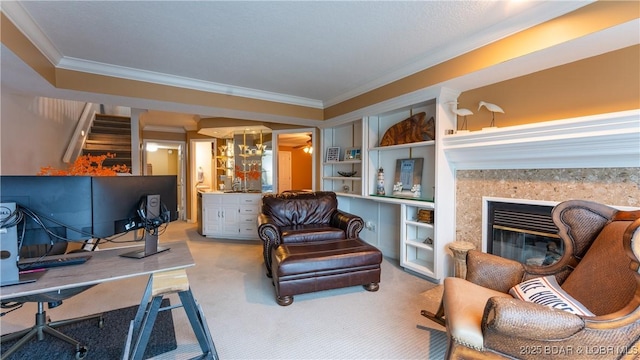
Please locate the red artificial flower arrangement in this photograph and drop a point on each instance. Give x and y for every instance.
(251, 174)
(87, 165)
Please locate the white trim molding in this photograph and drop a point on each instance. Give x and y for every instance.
(597, 141)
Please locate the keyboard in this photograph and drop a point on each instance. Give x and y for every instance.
(50, 263)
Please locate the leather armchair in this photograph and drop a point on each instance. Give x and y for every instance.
(299, 217)
(599, 268)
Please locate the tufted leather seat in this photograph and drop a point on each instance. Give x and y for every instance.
(310, 245)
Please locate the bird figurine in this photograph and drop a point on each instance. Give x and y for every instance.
(493, 108)
(461, 112)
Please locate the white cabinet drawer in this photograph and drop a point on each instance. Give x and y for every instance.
(253, 199)
(249, 210)
(248, 219)
(251, 230)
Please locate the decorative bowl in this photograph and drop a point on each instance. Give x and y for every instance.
(347, 173)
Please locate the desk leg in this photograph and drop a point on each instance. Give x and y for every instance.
(141, 326)
(146, 326)
(146, 296)
(198, 324)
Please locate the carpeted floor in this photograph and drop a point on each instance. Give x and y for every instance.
(104, 343)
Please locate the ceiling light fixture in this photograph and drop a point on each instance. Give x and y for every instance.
(309, 148)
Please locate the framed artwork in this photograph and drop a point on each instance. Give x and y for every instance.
(352, 154)
(408, 177)
(333, 154)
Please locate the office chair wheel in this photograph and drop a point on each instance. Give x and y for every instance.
(101, 322)
(82, 351)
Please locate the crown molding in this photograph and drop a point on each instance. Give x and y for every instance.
(171, 129)
(24, 22)
(98, 68)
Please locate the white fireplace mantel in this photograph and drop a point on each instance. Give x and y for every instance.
(598, 141)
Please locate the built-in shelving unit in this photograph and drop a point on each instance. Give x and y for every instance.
(417, 250)
(391, 218)
(344, 137)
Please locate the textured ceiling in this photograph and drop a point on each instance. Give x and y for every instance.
(317, 53)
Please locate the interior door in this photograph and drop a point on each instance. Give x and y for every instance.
(167, 158)
(284, 171)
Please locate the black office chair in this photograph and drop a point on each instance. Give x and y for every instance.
(53, 299)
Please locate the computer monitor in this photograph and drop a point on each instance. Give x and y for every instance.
(40, 210)
(126, 203)
(63, 204)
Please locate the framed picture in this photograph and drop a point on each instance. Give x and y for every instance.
(352, 154)
(408, 177)
(333, 154)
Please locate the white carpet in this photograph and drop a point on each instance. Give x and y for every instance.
(229, 283)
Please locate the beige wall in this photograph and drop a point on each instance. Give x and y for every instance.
(35, 132)
(163, 162)
(613, 186)
(600, 84)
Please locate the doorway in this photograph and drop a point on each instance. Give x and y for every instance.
(201, 158)
(299, 166)
(163, 157)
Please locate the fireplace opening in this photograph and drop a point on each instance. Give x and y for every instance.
(523, 232)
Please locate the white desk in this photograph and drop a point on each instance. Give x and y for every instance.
(108, 265)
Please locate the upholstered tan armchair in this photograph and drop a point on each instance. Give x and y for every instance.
(598, 272)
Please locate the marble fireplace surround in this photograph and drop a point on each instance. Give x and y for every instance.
(594, 158)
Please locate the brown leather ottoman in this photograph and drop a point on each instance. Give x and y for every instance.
(322, 265)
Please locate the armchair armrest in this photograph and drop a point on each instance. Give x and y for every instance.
(493, 272)
(270, 236)
(512, 326)
(351, 224)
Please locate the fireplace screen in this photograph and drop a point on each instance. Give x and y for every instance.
(522, 232)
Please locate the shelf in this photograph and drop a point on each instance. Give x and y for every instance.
(426, 203)
(352, 178)
(403, 146)
(419, 244)
(605, 140)
(419, 224)
(352, 195)
(250, 155)
(342, 162)
(420, 266)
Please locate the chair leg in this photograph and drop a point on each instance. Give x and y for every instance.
(438, 317)
(284, 300)
(371, 286)
(41, 327)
